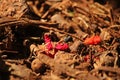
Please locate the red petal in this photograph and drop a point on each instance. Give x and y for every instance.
(61, 46)
(48, 42)
(47, 38)
(49, 46)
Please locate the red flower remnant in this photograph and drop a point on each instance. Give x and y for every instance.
(92, 40)
(49, 46)
(61, 46)
(48, 43)
(47, 38)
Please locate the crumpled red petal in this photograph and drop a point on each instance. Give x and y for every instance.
(47, 38)
(49, 46)
(61, 46)
(48, 42)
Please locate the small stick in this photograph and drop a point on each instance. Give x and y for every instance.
(7, 51)
(22, 21)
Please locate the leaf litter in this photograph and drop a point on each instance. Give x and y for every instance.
(59, 40)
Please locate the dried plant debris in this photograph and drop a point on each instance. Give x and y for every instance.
(12, 8)
(59, 40)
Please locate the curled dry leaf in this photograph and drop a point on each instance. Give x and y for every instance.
(66, 58)
(58, 18)
(20, 71)
(105, 35)
(33, 48)
(37, 66)
(107, 58)
(75, 46)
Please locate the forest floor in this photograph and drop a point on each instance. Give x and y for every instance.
(59, 40)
